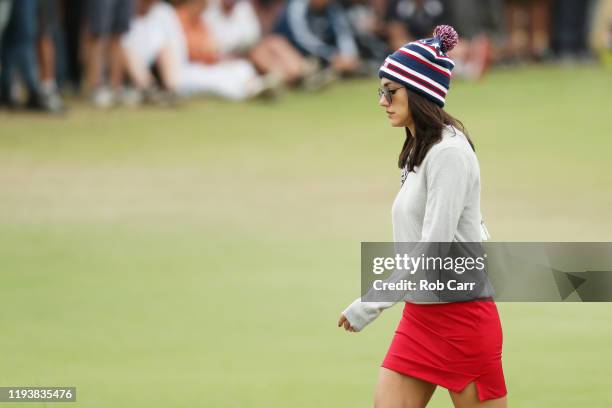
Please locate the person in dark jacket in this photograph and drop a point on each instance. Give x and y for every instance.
(320, 28)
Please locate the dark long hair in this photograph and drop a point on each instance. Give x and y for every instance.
(429, 120)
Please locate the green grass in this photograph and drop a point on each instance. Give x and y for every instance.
(201, 256)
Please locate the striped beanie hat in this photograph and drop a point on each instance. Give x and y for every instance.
(423, 66)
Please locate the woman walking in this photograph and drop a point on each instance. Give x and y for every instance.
(454, 345)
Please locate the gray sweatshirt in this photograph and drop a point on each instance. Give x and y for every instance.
(438, 202)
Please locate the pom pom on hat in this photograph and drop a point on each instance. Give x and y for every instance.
(447, 36)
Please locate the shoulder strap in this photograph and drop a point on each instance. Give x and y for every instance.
(484, 232)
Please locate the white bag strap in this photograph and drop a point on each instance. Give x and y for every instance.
(484, 232)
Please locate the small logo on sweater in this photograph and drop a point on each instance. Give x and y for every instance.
(404, 175)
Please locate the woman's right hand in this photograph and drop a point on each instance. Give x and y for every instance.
(343, 321)
(361, 314)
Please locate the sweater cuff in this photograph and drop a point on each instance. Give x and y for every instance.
(360, 314)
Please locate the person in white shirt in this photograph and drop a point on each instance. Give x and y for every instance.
(236, 26)
(158, 36)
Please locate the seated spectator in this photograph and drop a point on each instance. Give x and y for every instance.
(208, 70)
(412, 19)
(234, 24)
(236, 27)
(478, 23)
(319, 28)
(369, 31)
(268, 13)
(149, 43)
(189, 58)
(106, 21)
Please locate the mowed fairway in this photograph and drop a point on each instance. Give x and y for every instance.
(200, 257)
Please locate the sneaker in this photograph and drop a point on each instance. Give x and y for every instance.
(319, 79)
(269, 86)
(131, 97)
(41, 102)
(151, 95)
(169, 99)
(103, 98)
(54, 101)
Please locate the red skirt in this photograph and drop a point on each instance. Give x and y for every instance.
(451, 345)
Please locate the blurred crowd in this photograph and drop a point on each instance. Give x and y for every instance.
(131, 52)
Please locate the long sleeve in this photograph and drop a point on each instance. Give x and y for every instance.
(360, 314)
(297, 16)
(345, 39)
(448, 178)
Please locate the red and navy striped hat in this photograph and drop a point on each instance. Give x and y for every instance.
(423, 66)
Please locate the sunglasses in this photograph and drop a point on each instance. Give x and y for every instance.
(388, 93)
